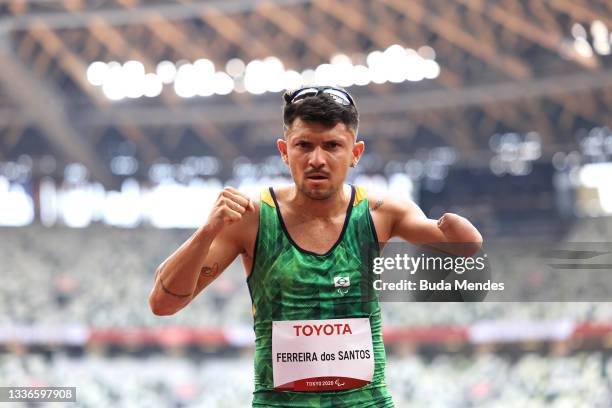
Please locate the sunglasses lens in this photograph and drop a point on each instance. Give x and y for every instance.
(303, 94)
(338, 96)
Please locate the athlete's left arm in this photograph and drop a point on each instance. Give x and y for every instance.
(408, 222)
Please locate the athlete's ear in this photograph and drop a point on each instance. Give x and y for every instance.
(358, 149)
(281, 144)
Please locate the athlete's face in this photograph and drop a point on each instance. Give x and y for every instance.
(319, 157)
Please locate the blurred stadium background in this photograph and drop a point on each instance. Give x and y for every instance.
(121, 119)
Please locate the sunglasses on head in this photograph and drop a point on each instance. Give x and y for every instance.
(340, 96)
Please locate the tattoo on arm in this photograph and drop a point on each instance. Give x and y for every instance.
(210, 271)
(378, 204)
(165, 289)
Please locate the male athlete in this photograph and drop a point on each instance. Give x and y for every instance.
(305, 249)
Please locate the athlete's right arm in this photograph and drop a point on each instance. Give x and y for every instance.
(188, 269)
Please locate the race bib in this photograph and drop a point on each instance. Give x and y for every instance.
(322, 355)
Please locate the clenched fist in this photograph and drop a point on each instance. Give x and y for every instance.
(229, 208)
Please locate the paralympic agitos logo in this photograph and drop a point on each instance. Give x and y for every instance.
(342, 283)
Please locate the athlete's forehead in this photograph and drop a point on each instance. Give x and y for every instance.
(317, 131)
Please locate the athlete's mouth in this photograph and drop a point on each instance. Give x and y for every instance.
(317, 176)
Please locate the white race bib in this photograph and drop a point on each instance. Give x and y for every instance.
(322, 355)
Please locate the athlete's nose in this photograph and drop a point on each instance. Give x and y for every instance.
(317, 159)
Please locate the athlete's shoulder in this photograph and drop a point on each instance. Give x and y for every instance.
(368, 192)
(384, 202)
(387, 210)
(375, 198)
(273, 195)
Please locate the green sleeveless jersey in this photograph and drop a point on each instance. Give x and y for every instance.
(291, 283)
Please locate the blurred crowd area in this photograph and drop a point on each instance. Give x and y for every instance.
(101, 277)
(448, 381)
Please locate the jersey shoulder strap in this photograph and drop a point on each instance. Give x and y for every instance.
(266, 198)
(360, 195)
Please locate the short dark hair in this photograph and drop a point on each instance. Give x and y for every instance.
(321, 109)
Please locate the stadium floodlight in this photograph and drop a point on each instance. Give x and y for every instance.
(166, 71)
(133, 67)
(223, 83)
(255, 77)
(426, 52)
(361, 75)
(583, 48)
(16, 205)
(133, 78)
(395, 64)
(239, 85)
(395, 59)
(274, 73)
(344, 75)
(292, 80)
(123, 165)
(123, 209)
(235, 67)
(414, 72)
(308, 77)
(598, 28)
(203, 77)
(373, 58)
(376, 64)
(96, 73)
(415, 66)
(602, 46)
(431, 69)
(343, 68)
(204, 66)
(184, 83)
(340, 59)
(600, 34)
(325, 75)
(204, 85)
(578, 31)
(114, 86)
(152, 85)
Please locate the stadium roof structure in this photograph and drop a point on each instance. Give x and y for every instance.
(504, 66)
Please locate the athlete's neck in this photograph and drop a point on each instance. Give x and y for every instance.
(329, 207)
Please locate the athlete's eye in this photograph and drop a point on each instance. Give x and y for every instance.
(302, 144)
(332, 145)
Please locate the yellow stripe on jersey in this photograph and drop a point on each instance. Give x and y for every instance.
(266, 197)
(360, 195)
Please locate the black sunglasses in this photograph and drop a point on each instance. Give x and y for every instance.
(340, 96)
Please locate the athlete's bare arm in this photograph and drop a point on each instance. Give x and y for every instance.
(207, 253)
(404, 219)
